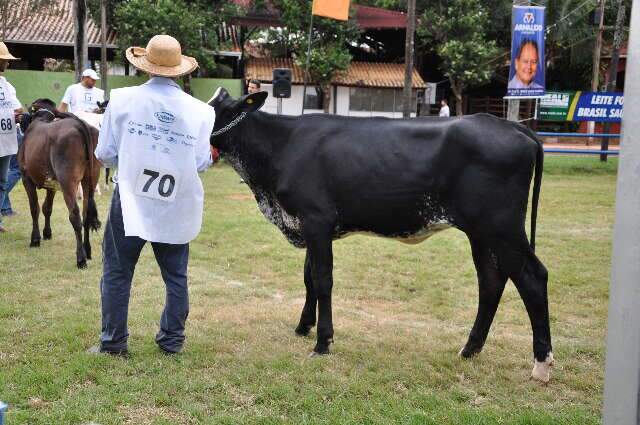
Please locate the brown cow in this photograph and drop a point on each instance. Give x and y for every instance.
(58, 151)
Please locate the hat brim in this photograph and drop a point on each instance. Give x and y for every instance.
(9, 57)
(187, 65)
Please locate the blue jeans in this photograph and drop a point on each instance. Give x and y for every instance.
(4, 174)
(13, 177)
(120, 256)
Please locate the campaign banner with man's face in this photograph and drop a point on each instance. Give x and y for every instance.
(526, 75)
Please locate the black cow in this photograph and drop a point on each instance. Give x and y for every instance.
(321, 177)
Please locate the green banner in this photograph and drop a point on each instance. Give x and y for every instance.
(554, 106)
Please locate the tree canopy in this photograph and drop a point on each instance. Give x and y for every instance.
(330, 42)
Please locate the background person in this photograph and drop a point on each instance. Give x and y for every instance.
(83, 95)
(444, 109)
(158, 137)
(12, 178)
(9, 108)
(253, 87)
(526, 66)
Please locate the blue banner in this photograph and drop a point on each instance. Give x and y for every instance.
(596, 106)
(526, 75)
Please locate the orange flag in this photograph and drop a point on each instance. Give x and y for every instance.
(335, 9)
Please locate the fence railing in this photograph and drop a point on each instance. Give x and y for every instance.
(581, 151)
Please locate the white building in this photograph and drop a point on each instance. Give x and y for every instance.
(365, 89)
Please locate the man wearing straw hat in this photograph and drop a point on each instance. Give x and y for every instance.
(9, 108)
(158, 137)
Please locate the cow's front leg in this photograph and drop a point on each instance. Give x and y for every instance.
(319, 247)
(308, 316)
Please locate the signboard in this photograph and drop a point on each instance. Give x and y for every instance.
(554, 106)
(526, 75)
(596, 106)
(581, 106)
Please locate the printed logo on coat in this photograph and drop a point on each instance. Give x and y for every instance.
(132, 130)
(156, 136)
(165, 117)
(87, 97)
(2, 94)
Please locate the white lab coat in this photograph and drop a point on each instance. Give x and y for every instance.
(158, 137)
(8, 104)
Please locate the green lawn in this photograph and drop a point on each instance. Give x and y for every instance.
(401, 313)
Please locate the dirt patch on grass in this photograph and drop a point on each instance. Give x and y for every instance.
(239, 197)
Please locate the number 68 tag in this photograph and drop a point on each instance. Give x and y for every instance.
(157, 184)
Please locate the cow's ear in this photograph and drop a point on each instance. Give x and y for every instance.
(253, 102)
(220, 94)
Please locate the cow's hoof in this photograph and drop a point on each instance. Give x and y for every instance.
(35, 244)
(467, 352)
(322, 348)
(542, 370)
(316, 354)
(46, 234)
(302, 330)
(82, 264)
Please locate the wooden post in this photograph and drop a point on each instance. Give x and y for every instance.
(103, 48)
(595, 72)
(613, 70)
(408, 58)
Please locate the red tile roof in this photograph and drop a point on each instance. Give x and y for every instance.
(55, 27)
(366, 17)
(359, 74)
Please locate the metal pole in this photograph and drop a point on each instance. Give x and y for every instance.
(103, 48)
(279, 110)
(595, 72)
(622, 367)
(613, 68)
(306, 68)
(408, 58)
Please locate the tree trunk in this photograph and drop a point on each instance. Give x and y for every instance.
(103, 47)
(80, 32)
(326, 94)
(456, 88)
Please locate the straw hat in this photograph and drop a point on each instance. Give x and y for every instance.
(163, 57)
(4, 53)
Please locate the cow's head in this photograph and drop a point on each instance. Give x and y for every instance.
(102, 106)
(42, 109)
(230, 111)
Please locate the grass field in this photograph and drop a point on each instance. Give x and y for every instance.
(401, 314)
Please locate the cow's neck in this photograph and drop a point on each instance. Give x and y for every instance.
(249, 147)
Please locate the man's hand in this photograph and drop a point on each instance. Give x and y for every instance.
(63, 107)
(215, 154)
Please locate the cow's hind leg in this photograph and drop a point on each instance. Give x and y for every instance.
(70, 192)
(531, 282)
(308, 316)
(317, 235)
(47, 209)
(491, 283)
(32, 194)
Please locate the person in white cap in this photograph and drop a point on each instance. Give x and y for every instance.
(83, 96)
(9, 108)
(158, 137)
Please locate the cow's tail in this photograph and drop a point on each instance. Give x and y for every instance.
(537, 182)
(92, 210)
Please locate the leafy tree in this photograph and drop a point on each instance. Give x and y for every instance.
(330, 42)
(457, 31)
(192, 23)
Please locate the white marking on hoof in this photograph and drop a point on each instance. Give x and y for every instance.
(542, 370)
(460, 352)
(313, 354)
